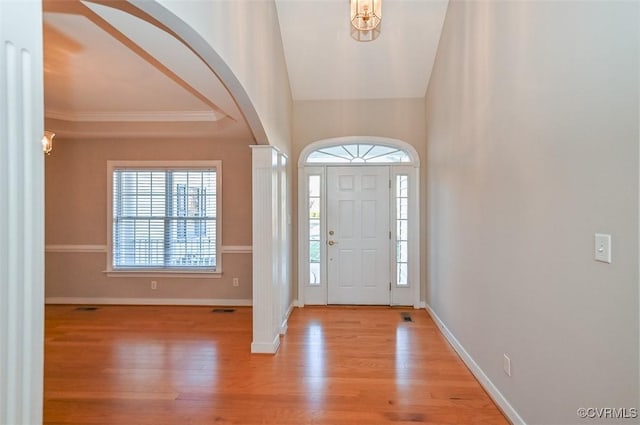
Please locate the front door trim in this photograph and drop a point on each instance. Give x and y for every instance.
(316, 293)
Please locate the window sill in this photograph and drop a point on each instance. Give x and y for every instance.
(165, 273)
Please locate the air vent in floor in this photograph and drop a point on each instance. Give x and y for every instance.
(86, 308)
(223, 310)
(406, 316)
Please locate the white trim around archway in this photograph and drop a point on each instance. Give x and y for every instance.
(314, 291)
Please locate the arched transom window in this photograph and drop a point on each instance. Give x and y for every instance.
(358, 153)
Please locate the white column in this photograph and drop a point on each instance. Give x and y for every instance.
(266, 250)
(21, 213)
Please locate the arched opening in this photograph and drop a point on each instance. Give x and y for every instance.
(358, 215)
(161, 140)
(164, 19)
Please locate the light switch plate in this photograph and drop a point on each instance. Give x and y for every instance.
(602, 248)
(506, 365)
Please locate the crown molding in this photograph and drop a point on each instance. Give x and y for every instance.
(136, 116)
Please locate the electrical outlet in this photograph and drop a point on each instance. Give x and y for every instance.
(506, 365)
(236, 281)
(154, 284)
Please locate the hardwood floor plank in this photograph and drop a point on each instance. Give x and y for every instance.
(187, 365)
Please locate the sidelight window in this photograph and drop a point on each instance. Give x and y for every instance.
(314, 229)
(402, 229)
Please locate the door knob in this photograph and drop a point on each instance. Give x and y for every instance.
(332, 243)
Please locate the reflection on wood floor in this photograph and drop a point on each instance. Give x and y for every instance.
(187, 365)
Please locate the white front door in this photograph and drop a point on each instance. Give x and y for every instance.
(358, 235)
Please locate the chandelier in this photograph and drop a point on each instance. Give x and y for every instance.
(366, 16)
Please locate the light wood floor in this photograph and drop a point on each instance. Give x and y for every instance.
(187, 365)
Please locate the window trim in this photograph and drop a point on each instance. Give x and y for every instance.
(394, 218)
(365, 153)
(414, 159)
(321, 224)
(164, 165)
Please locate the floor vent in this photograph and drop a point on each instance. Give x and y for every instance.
(406, 317)
(405, 417)
(223, 310)
(86, 308)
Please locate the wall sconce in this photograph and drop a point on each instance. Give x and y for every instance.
(47, 141)
(366, 16)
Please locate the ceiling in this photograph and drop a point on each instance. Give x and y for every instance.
(105, 66)
(324, 62)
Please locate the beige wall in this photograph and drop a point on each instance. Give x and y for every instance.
(402, 119)
(532, 131)
(76, 214)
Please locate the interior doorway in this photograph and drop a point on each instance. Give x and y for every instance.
(358, 222)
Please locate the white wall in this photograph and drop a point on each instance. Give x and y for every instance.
(532, 132)
(246, 35)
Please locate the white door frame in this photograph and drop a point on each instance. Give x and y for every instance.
(317, 293)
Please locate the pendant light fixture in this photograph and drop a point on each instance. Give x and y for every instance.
(366, 16)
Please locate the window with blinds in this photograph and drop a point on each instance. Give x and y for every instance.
(164, 219)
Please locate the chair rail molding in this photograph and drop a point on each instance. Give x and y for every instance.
(102, 248)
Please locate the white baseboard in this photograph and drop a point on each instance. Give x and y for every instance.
(149, 301)
(266, 347)
(284, 326)
(290, 310)
(484, 380)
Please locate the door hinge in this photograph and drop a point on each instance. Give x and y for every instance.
(389, 183)
(389, 286)
(389, 234)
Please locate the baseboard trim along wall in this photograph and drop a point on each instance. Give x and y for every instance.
(484, 380)
(266, 347)
(151, 301)
(285, 322)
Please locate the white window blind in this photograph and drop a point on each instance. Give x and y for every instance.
(164, 219)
